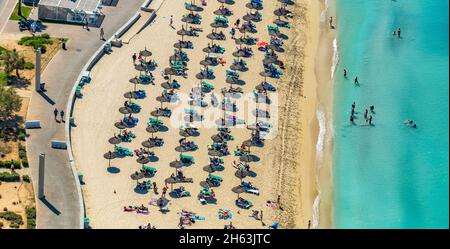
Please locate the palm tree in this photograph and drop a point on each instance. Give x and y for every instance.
(19, 9)
(12, 60)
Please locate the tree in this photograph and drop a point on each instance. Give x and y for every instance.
(10, 102)
(19, 10)
(12, 60)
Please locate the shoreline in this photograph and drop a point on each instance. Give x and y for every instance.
(297, 157)
(326, 62)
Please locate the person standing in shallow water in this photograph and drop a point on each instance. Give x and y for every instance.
(345, 73)
(356, 81)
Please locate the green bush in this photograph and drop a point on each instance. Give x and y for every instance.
(7, 164)
(29, 65)
(4, 78)
(26, 178)
(31, 217)
(14, 219)
(38, 41)
(25, 163)
(9, 177)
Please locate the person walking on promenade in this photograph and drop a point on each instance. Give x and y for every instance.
(86, 23)
(55, 112)
(62, 115)
(102, 33)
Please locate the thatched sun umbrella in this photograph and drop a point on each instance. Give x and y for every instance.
(109, 155)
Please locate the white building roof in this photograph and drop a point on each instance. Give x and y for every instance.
(85, 5)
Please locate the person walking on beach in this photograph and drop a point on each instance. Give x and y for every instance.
(102, 33)
(155, 188)
(134, 57)
(171, 22)
(238, 21)
(232, 33)
(261, 217)
(164, 192)
(55, 112)
(331, 22)
(309, 224)
(279, 202)
(62, 115)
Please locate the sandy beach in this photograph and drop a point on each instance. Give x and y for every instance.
(286, 165)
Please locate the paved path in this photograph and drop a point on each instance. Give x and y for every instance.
(60, 208)
(6, 7)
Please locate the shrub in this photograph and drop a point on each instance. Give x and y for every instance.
(9, 177)
(14, 219)
(29, 65)
(38, 41)
(25, 163)
(45, 36)
(26, 178)
(7, 164)
(31, 217)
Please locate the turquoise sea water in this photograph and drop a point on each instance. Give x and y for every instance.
(389, 175)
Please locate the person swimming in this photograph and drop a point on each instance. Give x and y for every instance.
(410, 123)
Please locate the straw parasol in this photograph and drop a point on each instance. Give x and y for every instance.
(137, 176)
(238, 190)
(109, 155)
(115, 140)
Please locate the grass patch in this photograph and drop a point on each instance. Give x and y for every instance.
(25, 12)
(31, 217)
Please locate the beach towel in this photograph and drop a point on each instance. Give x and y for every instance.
(272, 204)
(224, 214)
(197, 217)
(274, 225)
